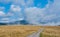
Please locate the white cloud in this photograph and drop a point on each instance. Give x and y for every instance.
(15, 8)
(53, 14)
(35, 14)
(2, 13)
(5, 20)
(47, 14)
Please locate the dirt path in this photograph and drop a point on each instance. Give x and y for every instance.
(36, 34)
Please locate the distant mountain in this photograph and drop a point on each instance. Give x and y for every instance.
(21, 22)
(24, 22)
(3, 23)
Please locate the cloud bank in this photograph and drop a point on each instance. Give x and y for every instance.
(25, 9)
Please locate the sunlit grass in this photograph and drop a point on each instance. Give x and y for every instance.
(51, 31)
(23, 31)
(17, 31)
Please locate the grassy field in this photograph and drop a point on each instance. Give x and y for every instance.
(17, 31)
(51, 31)
(23, 31)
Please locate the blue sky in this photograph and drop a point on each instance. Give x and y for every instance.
(42, 4)
(35, 11)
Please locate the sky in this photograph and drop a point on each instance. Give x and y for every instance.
(39, 12)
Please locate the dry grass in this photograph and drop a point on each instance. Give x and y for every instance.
(23, 31)
(17, 31)
(51, 31)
